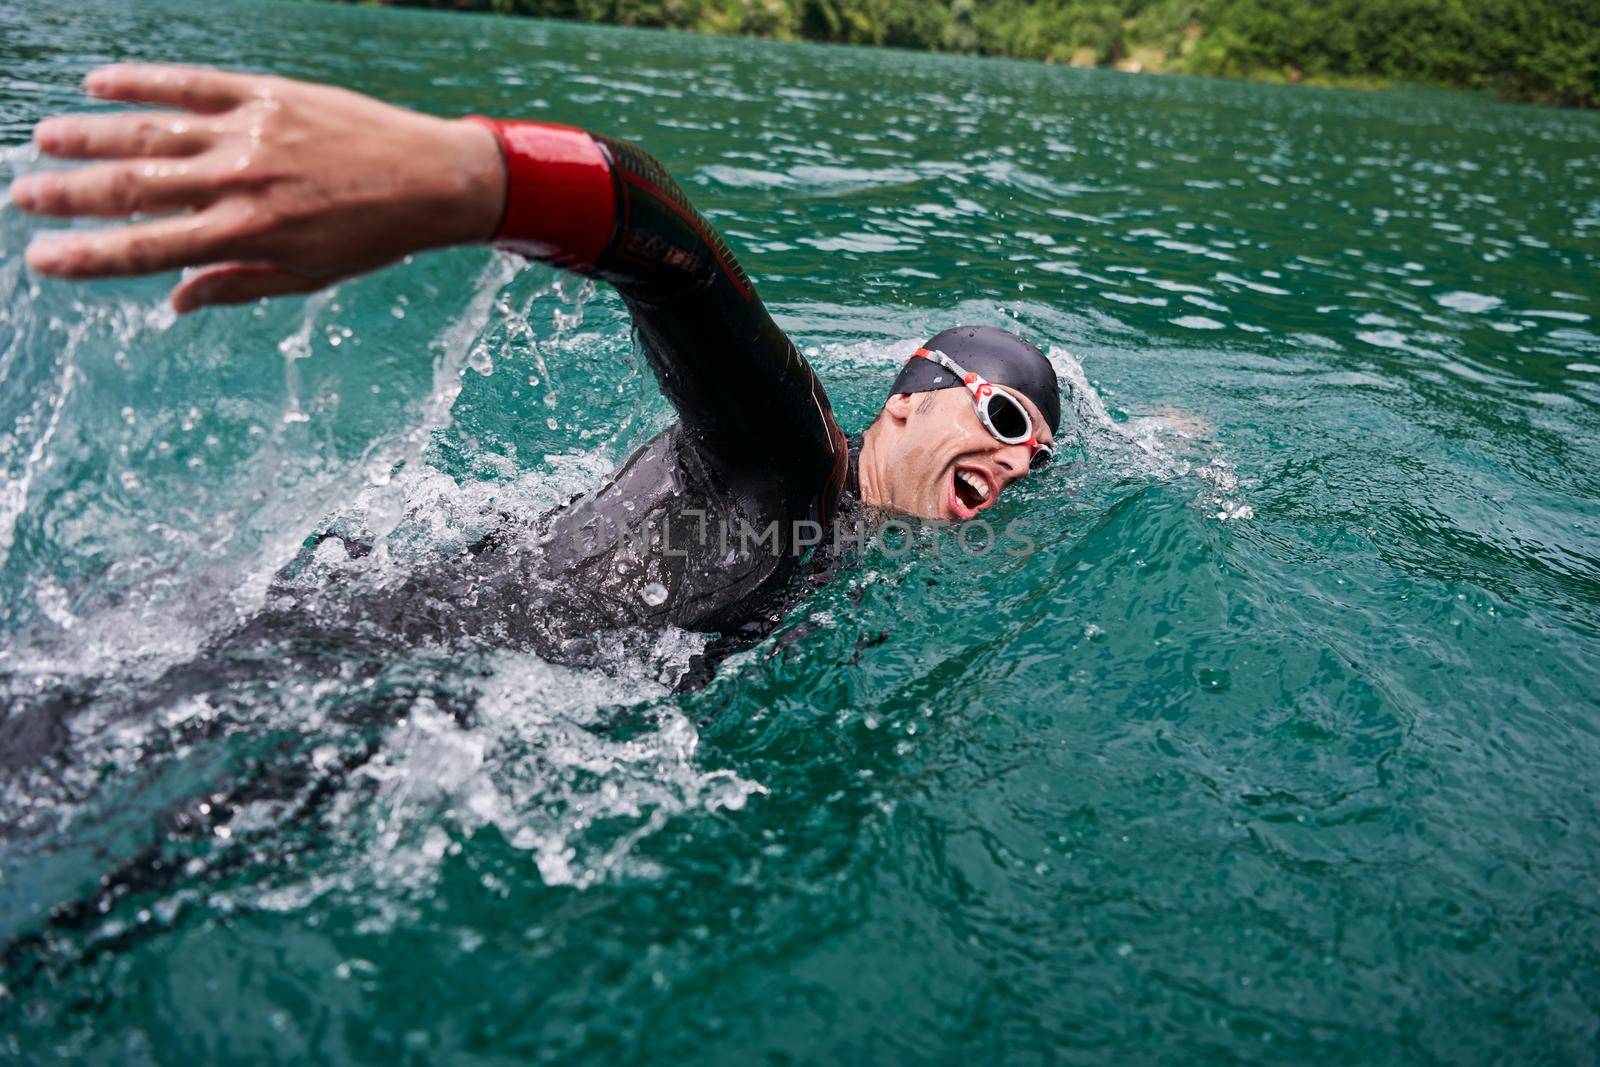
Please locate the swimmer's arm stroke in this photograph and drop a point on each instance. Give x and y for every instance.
(270, 187)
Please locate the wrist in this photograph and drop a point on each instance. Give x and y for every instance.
(478, 186)
(559, 202)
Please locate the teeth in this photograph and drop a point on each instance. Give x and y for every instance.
(978, 485)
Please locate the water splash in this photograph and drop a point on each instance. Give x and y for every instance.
(1166, 445)
(535, 758)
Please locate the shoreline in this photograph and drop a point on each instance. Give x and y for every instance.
(1233, 41)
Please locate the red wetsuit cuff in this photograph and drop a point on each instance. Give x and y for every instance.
(560, 205)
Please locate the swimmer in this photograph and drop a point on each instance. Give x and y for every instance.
(267, 187)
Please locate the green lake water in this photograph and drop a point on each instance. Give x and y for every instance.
(1278, 744)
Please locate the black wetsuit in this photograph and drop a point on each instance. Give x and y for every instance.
(703, 527)
(676, 535)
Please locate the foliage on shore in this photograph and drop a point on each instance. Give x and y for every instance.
(1542, 51)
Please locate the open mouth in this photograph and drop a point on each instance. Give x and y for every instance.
(971, 490)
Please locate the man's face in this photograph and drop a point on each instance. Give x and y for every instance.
(940, 462)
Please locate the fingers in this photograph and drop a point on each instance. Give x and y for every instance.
(238, 283)
(207, 236)
(110, 190)
(146, 134)
(190, 88)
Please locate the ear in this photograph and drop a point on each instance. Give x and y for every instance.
(898, 407)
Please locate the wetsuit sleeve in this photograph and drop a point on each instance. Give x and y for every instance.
(607, 209)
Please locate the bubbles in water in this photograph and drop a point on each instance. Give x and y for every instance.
(540, 764)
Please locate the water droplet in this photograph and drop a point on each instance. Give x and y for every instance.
(654, 594)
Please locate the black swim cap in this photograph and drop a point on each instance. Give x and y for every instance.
(998, 355)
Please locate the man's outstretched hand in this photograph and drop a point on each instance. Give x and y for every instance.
(273, 186)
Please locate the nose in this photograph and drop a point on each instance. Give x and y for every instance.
(1014, 460)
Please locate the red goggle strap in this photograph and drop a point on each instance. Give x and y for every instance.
(982, 389)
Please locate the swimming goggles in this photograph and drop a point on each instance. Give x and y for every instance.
(1001, 413)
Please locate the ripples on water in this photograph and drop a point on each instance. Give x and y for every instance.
(1280, 743)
